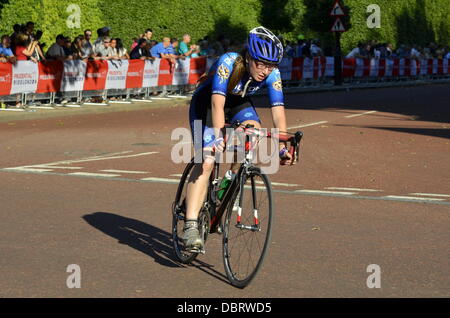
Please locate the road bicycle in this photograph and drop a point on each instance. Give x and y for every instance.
(247, 205)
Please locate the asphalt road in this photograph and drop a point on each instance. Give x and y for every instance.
(95, 190)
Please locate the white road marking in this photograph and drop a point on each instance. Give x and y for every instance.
(353, 189)
(280, 184)
(88, 174)
(357, 115)
(431, 195)
(324, 192)
(176, 175)
(27, 169)
(97, 158)
(162, 180)
(411, 198)
(125, 171)
(308, 125)
(55, 167)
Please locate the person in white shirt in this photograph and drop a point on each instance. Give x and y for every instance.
(356, 52)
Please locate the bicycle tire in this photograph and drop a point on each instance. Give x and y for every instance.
(178, 218)
(229, 255)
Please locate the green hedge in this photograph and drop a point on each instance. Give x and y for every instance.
(50, 16)
(402, 21)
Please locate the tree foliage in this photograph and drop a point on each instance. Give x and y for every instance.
(402, 21)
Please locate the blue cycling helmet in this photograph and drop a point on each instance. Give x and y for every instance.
(264, 46)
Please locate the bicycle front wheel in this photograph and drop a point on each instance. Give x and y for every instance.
(247, 228)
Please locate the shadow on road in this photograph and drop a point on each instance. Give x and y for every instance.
(145, 238)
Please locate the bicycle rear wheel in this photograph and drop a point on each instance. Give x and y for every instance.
(178, 218)
(247, 229)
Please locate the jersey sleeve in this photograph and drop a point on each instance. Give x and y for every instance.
(275, 89)
(222, 74)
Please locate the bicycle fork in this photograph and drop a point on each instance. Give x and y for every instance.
(256, 226)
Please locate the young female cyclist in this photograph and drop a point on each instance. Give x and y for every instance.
(231, 80)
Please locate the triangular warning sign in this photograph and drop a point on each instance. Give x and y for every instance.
(337, 10)
(338, 26)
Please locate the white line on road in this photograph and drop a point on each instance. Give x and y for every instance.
(88, 174)
(307, 125)
(280, 184)
(55, 167)
(357, 115)
(162, 180)
(27, 169)
(98, 158)
(354, 189)
(431, 195)
(324, 192)
(125, 171)
(411, 198)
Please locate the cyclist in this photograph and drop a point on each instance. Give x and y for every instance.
(226, 90)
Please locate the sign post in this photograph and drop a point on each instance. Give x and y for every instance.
(337, 28)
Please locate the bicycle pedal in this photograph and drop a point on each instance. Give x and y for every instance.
(196, 251)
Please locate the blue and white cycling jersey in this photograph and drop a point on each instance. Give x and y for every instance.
(219, 76)
(237, 107)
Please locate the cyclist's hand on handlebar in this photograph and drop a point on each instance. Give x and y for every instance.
(219, 145)
(285, 158)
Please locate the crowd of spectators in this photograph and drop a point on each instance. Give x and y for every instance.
(25, 44)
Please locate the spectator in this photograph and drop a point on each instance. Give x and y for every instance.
(56, 51)
(204, 48)
(183, 48)
(29, 31)
(315, 48)
(148, 34)
(289, 50)
(356, 52)
(172, 48)
(415, 53)
(67, 47)
(6, 54)
(87, 50)
(35, 47)
(103, 32)
(22, 49)
(141, 51)
(119, 51)
(77, 48)
(13, 36)
(159, 49)
(104, 51)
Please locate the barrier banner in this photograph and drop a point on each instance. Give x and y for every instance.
(5, 78)
(117, 74)
(285, 68)
(181, 72)
(308, 68)
(25, 77)
(329, 69)
(197, 69)
(73, 76)
(135, 74)
(96, 73)
(151, 73)
(349, 67)
(165, 72)
(297, 69)
(70, 76)
(50, 77)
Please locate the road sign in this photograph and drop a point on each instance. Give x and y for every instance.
(337, 10)
(338, 26)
